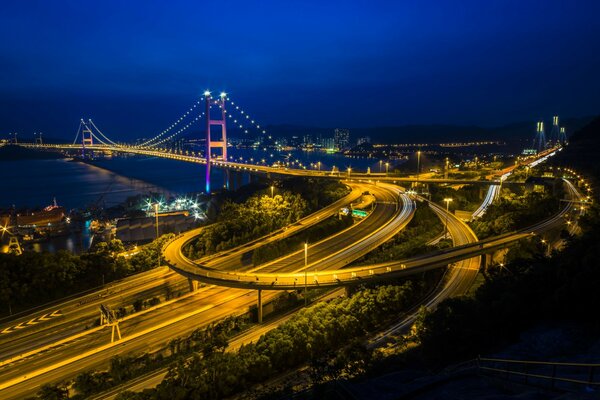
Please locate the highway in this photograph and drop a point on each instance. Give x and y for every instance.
(209, 304)
(151, 330)
(80, 312)
(462, 276)
(469, 248)
(392, 212)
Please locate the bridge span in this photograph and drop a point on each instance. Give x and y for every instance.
(266, 169)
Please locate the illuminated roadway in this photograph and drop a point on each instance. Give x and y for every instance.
(390, 215)
(209, 304)
(467, 247)
(259, 168)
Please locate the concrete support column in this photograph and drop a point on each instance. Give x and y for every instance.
(260, 307)
(348, 290)
(487, 260)
(193, 285)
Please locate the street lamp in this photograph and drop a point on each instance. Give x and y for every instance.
(349, 171)
(418, 165)
(380, 166)
(156, 216)
(447, 165)
(272, 191)
(387, 168)
(305, 276)
(319, 165)
(448, 201)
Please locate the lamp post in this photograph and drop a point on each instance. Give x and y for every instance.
(272, 191)
(319, 165)
(387, 168)
(447, 165)
(418, 165)
(305, 276)
(156, 218)
(448, 201)
(380, 166)
(547, 245)
(349, 171)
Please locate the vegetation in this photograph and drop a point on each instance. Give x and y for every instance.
(531, 290)
(516, 212)
(203, 342)
(424, 227)
(467, 197)
(36, 278)
(241, 223)
(260, 214)
(313, 234)
(311, 336)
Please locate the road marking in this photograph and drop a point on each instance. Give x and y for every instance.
(34, 321)
(125, 339)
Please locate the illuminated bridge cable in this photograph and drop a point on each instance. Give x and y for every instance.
(242, 118)
(181, 130)
(149, 142)
(78, 130)
(102, 134)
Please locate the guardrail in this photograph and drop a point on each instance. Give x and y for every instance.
(350, 276)
(553, 375)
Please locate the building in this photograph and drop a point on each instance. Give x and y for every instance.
(328, 143)
(341, 138)
(363, 140)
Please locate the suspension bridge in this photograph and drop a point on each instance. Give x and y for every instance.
(215, 113)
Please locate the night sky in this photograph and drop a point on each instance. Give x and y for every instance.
(134, 66)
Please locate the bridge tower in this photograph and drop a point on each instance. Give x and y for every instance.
(539, 142)
(222, 122)
(562, 136)
(555, 133)
(87, 138)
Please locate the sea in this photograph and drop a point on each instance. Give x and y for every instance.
(36, 183)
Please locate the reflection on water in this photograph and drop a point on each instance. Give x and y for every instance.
(75, 242)
(106, 183)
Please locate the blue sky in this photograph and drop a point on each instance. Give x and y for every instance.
(133, 66)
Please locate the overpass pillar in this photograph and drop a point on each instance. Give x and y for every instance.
(260, 307)
(487, 260)
(348, 291)
(193, 285)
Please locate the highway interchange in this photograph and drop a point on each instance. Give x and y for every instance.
(22, 376)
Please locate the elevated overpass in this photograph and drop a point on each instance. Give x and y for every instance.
(351, 276)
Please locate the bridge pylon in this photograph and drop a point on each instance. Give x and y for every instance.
(562, 136)
(87, 137)
(210, 122)
(539, 142)
(555, 133)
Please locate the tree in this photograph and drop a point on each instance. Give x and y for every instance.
(53, 392)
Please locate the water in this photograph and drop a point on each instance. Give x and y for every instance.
(34, 183)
